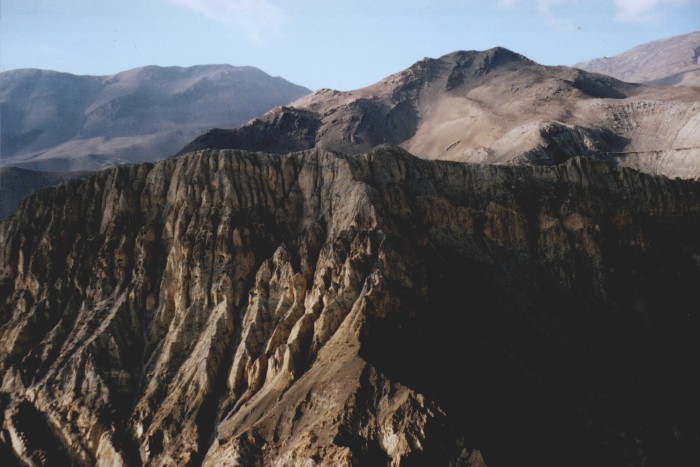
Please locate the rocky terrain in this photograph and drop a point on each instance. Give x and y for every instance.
(235, 308)
(674, 61)
(493, 107)
(56, 125)
(16, 184)
(55, 121)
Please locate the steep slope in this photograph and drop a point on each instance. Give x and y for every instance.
(60, 122)
(231, 308)
(667, 62)
(494, 107)
(16, 184)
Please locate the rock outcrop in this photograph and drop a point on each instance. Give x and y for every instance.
(16, 184)
(495, 107)
(56, 126)
(234, 308)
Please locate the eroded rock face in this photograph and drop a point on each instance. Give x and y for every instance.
(232, 308)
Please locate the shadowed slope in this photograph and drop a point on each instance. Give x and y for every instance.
(231, 307)
(16, 184)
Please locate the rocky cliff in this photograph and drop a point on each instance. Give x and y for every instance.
(234, 308)
(59, 124)
(16, 184)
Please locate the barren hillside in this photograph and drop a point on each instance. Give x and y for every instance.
(668, 62)
(493, 107)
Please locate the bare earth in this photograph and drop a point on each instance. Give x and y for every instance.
(493, 107)
(668, 62)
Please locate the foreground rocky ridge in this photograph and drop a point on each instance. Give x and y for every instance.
(56, 126)
(229, 307)
(492, 106)
(16, 184)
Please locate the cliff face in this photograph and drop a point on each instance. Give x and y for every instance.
(16, 184)
(318, 308)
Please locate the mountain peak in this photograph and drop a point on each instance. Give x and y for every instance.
(491, 106)
(451, 70)
(489, 58)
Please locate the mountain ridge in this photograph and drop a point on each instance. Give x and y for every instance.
(494, 106)
(320, 297)
(669, 61)
(144, 113)
(233, 306)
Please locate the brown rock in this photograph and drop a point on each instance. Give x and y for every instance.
(228, 307)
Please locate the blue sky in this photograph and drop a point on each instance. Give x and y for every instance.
(339, 44)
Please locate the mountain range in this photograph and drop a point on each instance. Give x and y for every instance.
(494, 106)
(674, 61)
(55, 121)
(477, 261)
(57, 125)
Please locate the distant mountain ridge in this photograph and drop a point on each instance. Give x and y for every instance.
(493, 106)
(667, 62)
(58, 121)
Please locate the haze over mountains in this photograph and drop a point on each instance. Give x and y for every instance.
(494, 106)
(55, 121)
(674, 61)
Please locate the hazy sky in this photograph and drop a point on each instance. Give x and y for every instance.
(323, 43)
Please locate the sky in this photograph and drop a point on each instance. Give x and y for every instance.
(339, 44)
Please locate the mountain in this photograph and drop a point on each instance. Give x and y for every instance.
(16, 184)
(237, 308)
(494, 107)
(61, 122)
(674, 61)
